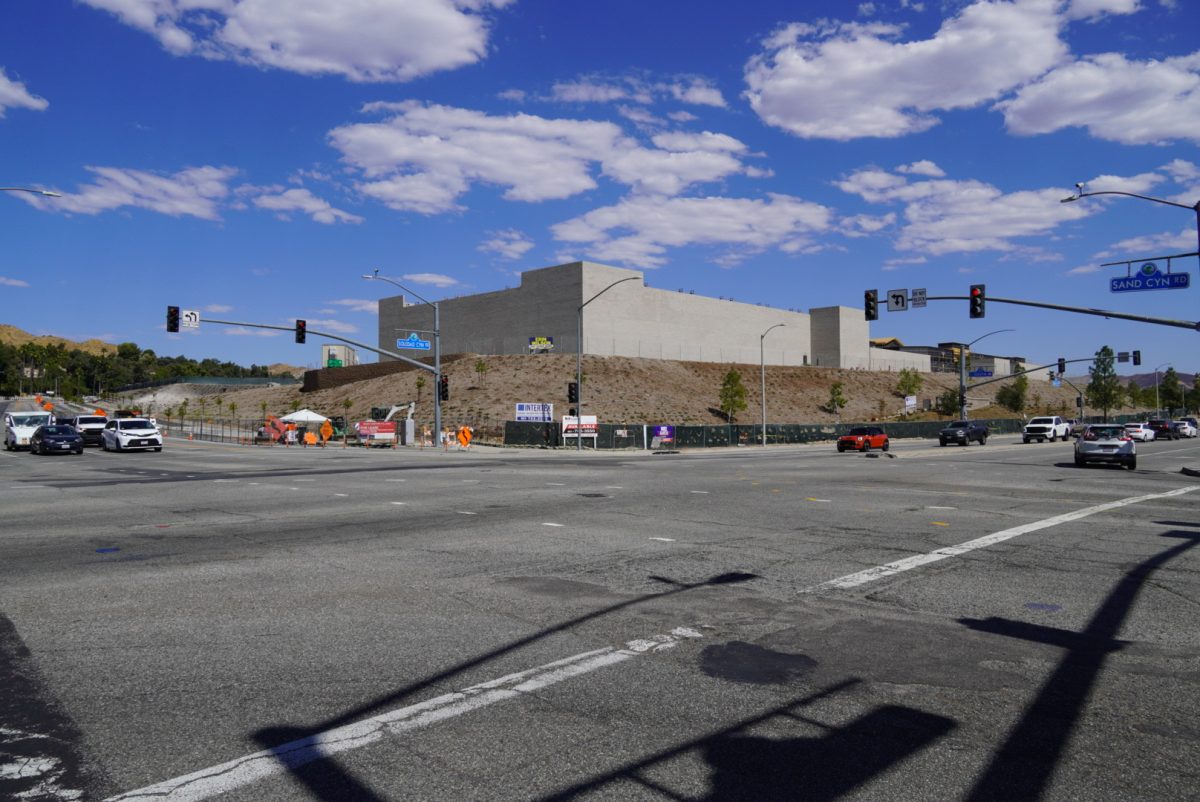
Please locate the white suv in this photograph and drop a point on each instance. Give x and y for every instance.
(20, 426)
(1046, 428)
(127, 434)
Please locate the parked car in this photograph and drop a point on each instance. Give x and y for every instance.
(20, 426)
(1139, 431)
(127, 434)
(89, 428)
(56, 439)
(1075, 427)
(1049, 427)
(1106, 443)
(1163, 429)
(864, 438)
(1185, 428)
(963, 432)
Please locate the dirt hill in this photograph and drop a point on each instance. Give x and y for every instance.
(617, 389)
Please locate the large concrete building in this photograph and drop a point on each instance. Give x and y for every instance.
(630, 319)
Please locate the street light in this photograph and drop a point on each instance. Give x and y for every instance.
(437, 347)
(45, 192)
(762, 375)
(1157, 408)
(579, 359)
(1079, 193)
(962, 372)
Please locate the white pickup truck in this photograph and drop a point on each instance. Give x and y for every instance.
(20, 426)
(1049, 427)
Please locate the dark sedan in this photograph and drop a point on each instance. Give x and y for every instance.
(56, 439)
(1163, 429)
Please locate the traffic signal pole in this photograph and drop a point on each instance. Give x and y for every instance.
(1158, 321)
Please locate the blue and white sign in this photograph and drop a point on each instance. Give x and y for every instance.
(413, 341)
(539, 413)
(980, 373)
(1150, 278)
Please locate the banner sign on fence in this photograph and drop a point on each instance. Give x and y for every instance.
(539, 413)
(541, 343)
(573, 427)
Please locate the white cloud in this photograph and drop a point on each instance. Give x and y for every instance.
(639, 231)
(847, 80)
(1093, 9)
(242, 331)
(689, 89)
(5, 281)
(192, 192)
(13, 94)
(217, 309)
(362, 40)
(432, 279)
(425, 156)
(357, 305)
(945, 216)
(863, 224)
(1131, 102)
(510, 243)
(1145, 247)
(922, 167)
(335, 326)
(301, 200)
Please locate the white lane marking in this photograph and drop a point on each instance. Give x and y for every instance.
(466, 512)
(930, 507)
(250, 768)
(699, 492)
(819, 500)
(614, 487)
(341, 495)
(550, 524)
(664, 539)
(399, 503)
(556, 484)
(397, 480)
(908, 563)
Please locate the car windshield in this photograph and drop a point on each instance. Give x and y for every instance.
(57, 430)
(860, 431)
(29, 420)
(1042, 420)
(958, 424)
(92, 420)
(135, 424)
(1104, 433)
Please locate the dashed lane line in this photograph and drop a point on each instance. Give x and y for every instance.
(909, 563)
(242, 771)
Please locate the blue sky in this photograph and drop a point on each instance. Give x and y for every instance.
(253, 158)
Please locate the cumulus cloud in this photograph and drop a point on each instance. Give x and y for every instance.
(194, 192)
(425, 156)
(5, 281)
(361, 40)
(639, 230)
(432, 279)
(689, 89)
(13, 94)
(510, 244)
(947, 216)
(847, 80)
(335, 326)
(1131, 102)
(303, 201)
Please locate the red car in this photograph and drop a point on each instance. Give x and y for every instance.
(864, 438)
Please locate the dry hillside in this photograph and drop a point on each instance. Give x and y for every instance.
(617, 389)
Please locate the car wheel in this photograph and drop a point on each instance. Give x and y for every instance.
(866, 446)
(158, 449)
(1052, 438)
(1079, 462)
(1025, 440)
(841, 447)
(887, 444)
(983, 440)
(1132, 464)
(942, 443)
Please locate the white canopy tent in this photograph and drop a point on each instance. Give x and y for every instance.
(303, 416)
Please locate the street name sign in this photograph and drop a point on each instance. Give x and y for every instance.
(413, 341)
(1149, 277)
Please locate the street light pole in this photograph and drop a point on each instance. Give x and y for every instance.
(962, 372)
(437, 348)
(1079, 193)
(762, 375)
(579, 357)
(47, 193)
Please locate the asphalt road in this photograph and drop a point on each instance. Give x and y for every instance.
(789, 623)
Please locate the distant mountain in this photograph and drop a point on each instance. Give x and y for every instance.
(1147, 379)
(11, 335)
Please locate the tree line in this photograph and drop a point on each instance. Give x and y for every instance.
(33, 368)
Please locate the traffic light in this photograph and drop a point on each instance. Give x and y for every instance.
(871, 304)
(1137, 357)
(572, 392)
(978, 299)
(301, 330)
(444, 387)
(1062, 366)
(172, 318)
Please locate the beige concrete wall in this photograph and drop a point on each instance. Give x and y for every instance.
(886, 359)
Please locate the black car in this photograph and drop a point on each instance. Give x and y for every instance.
(963, 432)
(56, 439)
(1163, 429)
